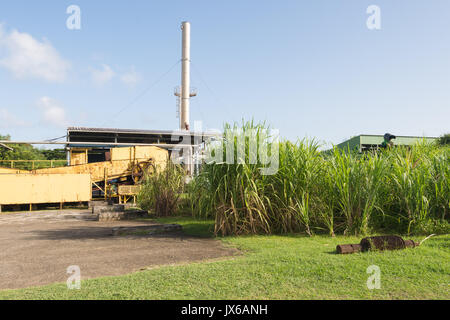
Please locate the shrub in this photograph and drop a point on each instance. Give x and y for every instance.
(444, 140)
(161, 191)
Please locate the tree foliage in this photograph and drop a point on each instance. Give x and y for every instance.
(28, 152)
(444, 139)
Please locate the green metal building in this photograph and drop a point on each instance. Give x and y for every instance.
(367, 142)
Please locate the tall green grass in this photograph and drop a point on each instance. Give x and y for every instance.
(358, 181)
(419, 180)
(235, 194)
(401, 189)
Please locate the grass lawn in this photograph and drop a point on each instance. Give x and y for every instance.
(275, 267)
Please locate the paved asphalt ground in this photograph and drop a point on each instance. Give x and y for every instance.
(36, 248)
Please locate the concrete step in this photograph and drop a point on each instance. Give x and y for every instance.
(108, 208)
(126, 215)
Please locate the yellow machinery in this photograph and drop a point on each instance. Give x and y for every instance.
(122, 162)
(127, 192)
(123, 166)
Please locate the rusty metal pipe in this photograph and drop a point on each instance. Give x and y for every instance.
(348, 248)
(377, 243)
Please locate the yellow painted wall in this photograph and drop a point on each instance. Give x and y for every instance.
(44, 188)
(9, 170)
(140, 153)
(78, 156)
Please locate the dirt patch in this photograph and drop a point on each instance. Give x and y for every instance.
(37, 248)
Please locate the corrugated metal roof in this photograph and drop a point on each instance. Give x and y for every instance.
(382, 135)
(150, 132)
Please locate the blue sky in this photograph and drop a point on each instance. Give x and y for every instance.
(308, 68)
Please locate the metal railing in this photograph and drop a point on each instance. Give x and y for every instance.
(32, 164)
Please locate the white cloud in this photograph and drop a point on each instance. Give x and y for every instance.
(100, 77)
(9, 120)
(52, 112)
(130, 78)
(26, 57)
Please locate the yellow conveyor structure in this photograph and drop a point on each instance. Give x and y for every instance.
(121, 162)
(74, 183)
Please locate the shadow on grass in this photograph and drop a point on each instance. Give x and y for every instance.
(191, 226)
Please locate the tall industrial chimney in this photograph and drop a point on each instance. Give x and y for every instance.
(185, 76)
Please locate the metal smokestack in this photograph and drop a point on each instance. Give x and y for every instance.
(185, 76)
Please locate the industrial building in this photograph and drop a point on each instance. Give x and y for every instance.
(367, 142)
(109, 163)
(95, 143)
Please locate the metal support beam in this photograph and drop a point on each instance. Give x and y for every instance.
(6, 147)
(160, 145)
